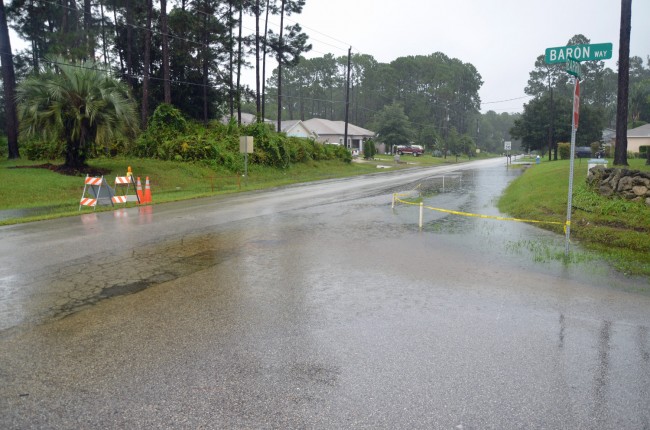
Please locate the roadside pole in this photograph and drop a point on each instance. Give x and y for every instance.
(572, 56)
(246, 147)
(574, 128)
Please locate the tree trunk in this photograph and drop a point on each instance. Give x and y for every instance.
(167, 89)
(147, 66)
(105, 52)
(129, 44)
(280, 48)
(231, 92)
(620, 150)
(119, 51)
(89, 47)
(206, 50)
(258, 101)
(239, 62)
(9, 86)
(266, 30)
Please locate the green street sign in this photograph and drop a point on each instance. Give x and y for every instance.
(573, 67)
(598, 51)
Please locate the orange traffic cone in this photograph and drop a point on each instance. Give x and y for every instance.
(147, 191)
(138, 189)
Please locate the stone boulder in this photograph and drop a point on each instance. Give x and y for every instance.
(629, 184)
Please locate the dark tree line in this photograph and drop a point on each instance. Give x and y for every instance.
(436, 92)
(189, 53)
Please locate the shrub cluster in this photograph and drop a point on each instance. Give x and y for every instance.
(171, 137)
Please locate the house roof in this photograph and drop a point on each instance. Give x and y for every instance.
(294, 127)
(246, 118)
(643, 131)
(608, 134)
(287, 124)
(322, 126)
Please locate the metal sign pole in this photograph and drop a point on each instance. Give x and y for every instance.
(246, 168)
(574, 127)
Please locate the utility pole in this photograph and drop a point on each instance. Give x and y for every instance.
(347, 100)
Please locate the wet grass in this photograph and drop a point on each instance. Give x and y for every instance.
(615, 228)
(30, 194)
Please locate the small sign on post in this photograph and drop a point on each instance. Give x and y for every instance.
(246, 144)
(246, 147)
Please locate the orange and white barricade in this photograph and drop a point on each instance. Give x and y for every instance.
(98, 193)
(124, 183)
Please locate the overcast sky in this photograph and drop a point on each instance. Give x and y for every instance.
(501, 38)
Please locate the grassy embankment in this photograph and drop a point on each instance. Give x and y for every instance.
(52, 195)
(617, 229)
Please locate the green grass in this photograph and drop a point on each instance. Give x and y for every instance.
(53, 195)
(616, 228)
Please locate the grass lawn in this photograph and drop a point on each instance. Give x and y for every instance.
(618, 229)
(49, 194)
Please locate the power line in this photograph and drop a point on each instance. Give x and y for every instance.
(507, 100)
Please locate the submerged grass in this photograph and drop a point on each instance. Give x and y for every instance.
(616, 228)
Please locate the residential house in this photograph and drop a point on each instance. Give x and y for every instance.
(638, 137)
(333, 132)
(296, 128)
(246, 118)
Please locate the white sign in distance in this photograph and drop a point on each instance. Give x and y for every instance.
(246, 144)
(507, 146)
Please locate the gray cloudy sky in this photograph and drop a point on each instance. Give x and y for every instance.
(501, 38)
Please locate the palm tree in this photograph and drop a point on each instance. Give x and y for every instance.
(80, 104)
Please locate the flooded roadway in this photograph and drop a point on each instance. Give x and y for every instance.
(318, 306)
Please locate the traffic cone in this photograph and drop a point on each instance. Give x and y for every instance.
(138, 189)
(147, 191)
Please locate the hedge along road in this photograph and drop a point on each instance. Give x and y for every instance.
(317, 306)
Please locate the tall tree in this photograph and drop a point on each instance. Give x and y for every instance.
(9, 86)
(258, 98)
(288, 47)
(79, 104)
(620, 150)
(167, 88)
(269, 6)
(147, 67)
(129, 43)
(393, 126)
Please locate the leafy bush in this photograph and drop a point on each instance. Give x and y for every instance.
(369, 149)
(4, 149)
(595, 147)
(166, 124)
(171, 137)
(564, 150)
(43, 149)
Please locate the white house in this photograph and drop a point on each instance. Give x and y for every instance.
(327, 131)
(296, 128)
(638, 137)
(246, 118)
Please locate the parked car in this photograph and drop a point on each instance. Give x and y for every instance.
(414, 150)
(583, 152)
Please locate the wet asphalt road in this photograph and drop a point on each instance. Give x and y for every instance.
(317, 306)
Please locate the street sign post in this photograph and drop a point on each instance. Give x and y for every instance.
(594, 52)
(574, 128)
(572, 56)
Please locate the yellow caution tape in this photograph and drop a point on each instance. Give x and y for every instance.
(500, 218)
